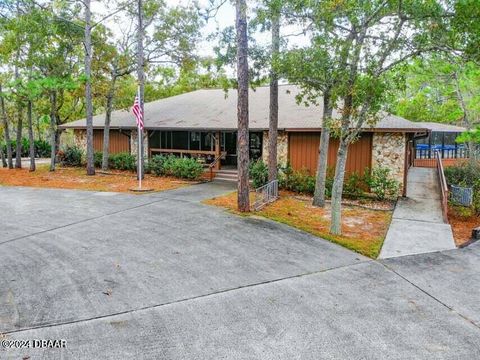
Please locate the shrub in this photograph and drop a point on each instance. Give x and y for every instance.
(70, 156)
(297, 181)
(169, 165)
(354, 185)
(97, 159)
(381, 183)
(122, 161)
(185, 168)
(258, 173)
(188, 168)
(467, 175)
(42, 148)
(155, 165)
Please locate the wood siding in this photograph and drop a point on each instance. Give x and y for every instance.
(119, 142)
(303, 152)
(432, 163)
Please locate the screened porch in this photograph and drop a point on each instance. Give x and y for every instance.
(206, 146)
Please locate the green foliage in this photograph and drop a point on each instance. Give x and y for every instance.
(98, 159)
(122, 161)
(354, 185)
(329, 179)
(71, 156)
(466, 175)
(155, 165)
(42, 148)
(469, 136)
(302, 182)
(187, 168)
(171, 165)
(258, 173)
(381, 183)
(434, 89)
(298, 181)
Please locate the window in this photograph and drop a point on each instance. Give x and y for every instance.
(166, 139)
(180, 140)
(255, 145)
(154, 139)
(208, 143)
(195, 140)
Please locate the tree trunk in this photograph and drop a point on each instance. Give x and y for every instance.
(30, 136)
(106, 129)
(472, 151)
(319, 195)
(337, 190)
(141, 81)
(2, 156)
(242, 107)
(466, 118)
(18, 151)
(6, 130)
(88, 88)
(53, 131)
(273, 124)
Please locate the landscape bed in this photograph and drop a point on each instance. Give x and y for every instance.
(364, 229)
(464, 219)
(462, 224)
(76, 178)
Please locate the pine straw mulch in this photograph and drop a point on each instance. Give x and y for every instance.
(462, 224)
(363, 229)
(76, 178)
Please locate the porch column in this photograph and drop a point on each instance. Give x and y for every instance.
(217, 149)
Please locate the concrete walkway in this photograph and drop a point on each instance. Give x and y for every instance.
(417, 226)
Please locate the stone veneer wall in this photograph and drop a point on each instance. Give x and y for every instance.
(282, 148)
(80, 139)
(134, 143)
(388, 150)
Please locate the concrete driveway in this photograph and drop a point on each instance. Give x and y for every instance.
(162, 276)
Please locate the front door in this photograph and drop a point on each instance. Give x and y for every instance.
(229, 144)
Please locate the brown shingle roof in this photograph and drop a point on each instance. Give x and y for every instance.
(216, 109)
(433, 126)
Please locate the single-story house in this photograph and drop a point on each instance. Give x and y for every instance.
(203, 124)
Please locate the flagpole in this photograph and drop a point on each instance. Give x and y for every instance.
(139, 139)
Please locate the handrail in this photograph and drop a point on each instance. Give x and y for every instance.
(215, 161)
(443, 186)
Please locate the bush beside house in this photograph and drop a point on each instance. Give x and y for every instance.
(466, 174)
(159, 165)
(184, 168)
(379, 181)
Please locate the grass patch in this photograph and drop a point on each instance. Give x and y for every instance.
(76, 178)
(363, 229)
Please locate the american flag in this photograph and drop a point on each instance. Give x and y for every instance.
(137, 111)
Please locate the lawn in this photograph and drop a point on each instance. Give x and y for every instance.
(76, 178)
(363, 229)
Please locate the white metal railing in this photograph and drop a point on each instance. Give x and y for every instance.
(265, 194)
